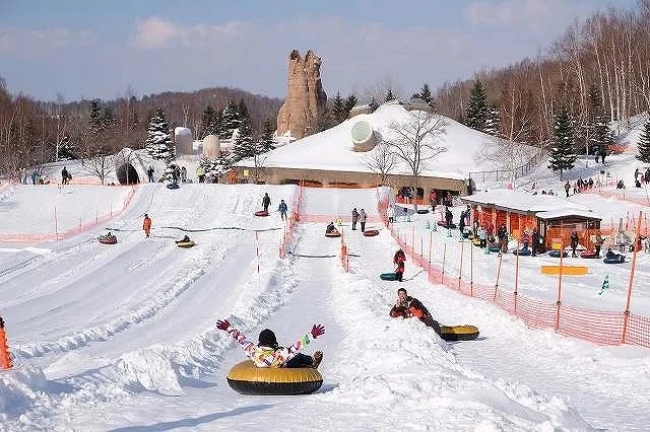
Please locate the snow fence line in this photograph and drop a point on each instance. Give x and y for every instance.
(57, 236)
(601, 327)
(290, 223)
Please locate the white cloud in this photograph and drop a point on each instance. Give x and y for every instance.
(154, 33)
(35, 42)
(536, 15)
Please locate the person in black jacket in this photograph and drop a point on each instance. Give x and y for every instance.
(408, 307)
(266, 202)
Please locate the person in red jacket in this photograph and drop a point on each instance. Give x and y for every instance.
(409, 307)
(146, 224)
(398, 259)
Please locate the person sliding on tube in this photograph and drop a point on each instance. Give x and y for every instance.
(408, 307)
(330, 228)
(268, 354)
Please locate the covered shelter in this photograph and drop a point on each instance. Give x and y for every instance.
(553, 217)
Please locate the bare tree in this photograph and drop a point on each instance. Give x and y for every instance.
(381, 161)
(415, 141)
(509, 150)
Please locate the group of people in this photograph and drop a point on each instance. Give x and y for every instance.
(359, 217)
(65, 176)
(282, 207)
(268, 353)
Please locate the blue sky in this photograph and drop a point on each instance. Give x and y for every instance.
(100, 49)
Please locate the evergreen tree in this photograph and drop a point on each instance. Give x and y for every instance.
(389, 96)
(350, 102)
(425, 94)
(215, 167)
(493, 121)
(159, 143)
(599, 134)
(477, 111)
(338, 109)
(643, 146)
(230, 120)
(266, 140)
(562, 154)
(244, 145)
(243, 110)
(96, 119)
(209, 122)
(373, 104)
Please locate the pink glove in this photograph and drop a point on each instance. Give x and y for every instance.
(223, 325)
(317, 330)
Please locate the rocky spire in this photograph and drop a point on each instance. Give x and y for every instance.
(305, 100)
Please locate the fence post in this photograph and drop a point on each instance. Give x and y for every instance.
(5, 355)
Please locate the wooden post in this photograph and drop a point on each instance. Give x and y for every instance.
(496, 285)
(460, 267)
(444, 259)
(559, 286)
(626, 316)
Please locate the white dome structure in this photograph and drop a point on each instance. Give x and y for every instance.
(183, 139)
(211, 146)
(363, 136)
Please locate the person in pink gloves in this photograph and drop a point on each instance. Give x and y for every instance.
(267, 352)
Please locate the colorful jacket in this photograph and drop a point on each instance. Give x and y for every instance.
(411, 307)
(263, 356)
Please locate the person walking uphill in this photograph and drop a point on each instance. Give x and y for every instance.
(408, 307)
(268, 354)
(399, 259)
(355, 218)
(362, 220)
(266, 202)
(146, 224)
(282, 208)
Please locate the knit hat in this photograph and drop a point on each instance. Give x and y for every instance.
(267, 338)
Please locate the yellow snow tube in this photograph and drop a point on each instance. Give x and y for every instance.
(246, 378)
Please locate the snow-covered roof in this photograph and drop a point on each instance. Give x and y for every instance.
(332, 149)
(550, 206)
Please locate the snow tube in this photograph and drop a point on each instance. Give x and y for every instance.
(444, 224)
(476, 241)
(246, 378)
(522, 252)
(108, 239)
(588, 254)
(371, 233)
(556, 254)
(182, 244)
(494, 248)
(616, 260)
(423, 211)
(459, 333)
(334, 233)
(388, 276)
(261, 213)
(172, 186)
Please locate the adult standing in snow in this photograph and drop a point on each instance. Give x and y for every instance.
(355, 218)
(390, 213)
(535, 240)
(598, 243)
(266, 202)
(64, 175)
(461, 224)
(362, 219)
(567, 188)
(200, 174)
(150, 172)
(183, 175)
(408, 307)
(268, 354)
(146, 224)
(574, 242)
(282, 208)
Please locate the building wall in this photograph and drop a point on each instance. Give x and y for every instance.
(351, 179)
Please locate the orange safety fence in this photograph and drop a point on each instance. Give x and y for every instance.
(56, 236)
(602, 327)
(324, 218)
(290, 223)
(5, 355)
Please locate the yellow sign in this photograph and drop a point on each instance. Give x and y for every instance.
(245, 173)
(339, 221)
(556, 244)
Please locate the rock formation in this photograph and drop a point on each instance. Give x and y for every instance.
(305, 100)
